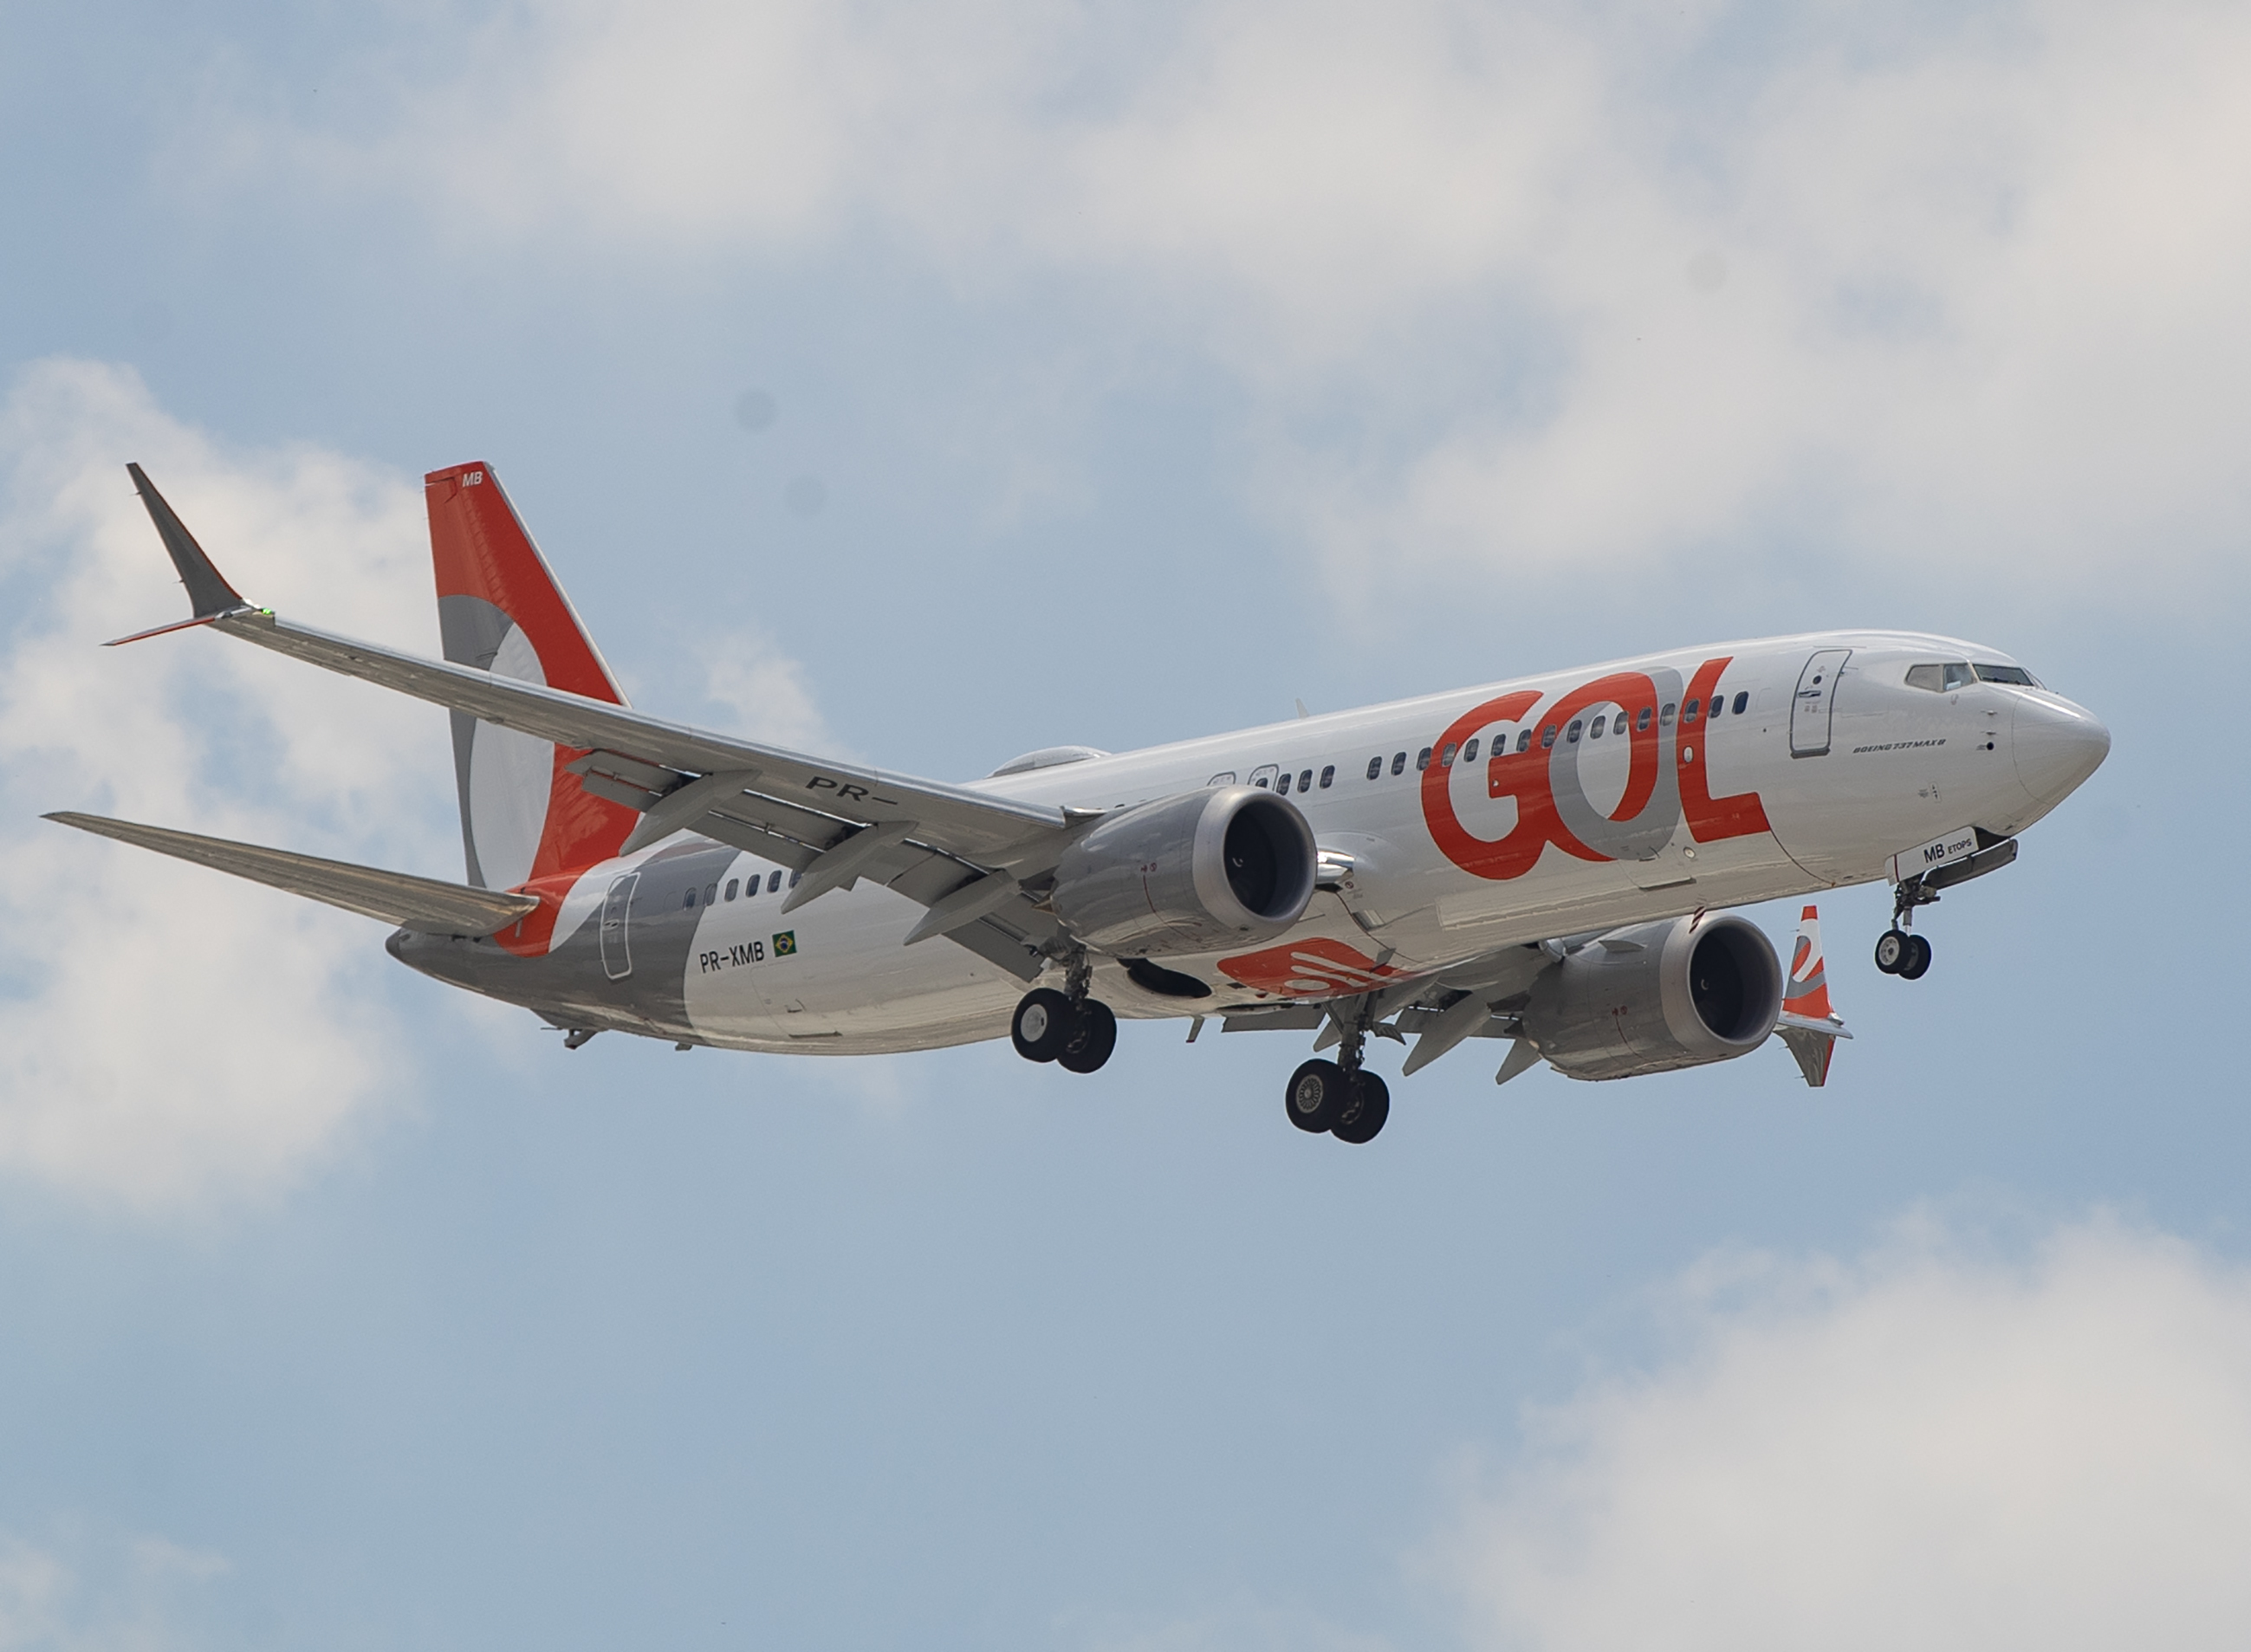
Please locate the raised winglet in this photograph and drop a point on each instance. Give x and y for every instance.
(1807, 1025)
(209, 594)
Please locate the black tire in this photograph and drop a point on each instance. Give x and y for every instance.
(1917, 960)
(1362, 1121)
(1093, 1040)
(1043, 1026)
(1315, 1096)
(1892, 951)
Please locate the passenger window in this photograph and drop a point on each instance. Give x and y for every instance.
(1524, 740)
(1375, 765)
(794, 876)
(1719, 704)
(1601, 724)
(1688, 712)
(1548, 737)
(1642, 722)
(711, 893)
(1422, 759)
(774, 882)
(1469, 752)
(750, 887)
(1665, 716)
(1619, 726)
(1447, 758)
(1930, 677)
(688, 899)
(1742, 701)
(1398, 762)
(1572, 733)
(1224, 777)
(1957, 675)
(1282, 787)
(734, 885)
(1328, 775)
(1306, 780)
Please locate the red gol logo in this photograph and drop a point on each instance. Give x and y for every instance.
(1315, 968)
(1665, 780)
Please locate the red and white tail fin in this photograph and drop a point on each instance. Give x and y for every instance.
(500, 610)
(1808, 1026)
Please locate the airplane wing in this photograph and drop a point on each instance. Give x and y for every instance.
(935, 840)
(427, 904)
(977, 827)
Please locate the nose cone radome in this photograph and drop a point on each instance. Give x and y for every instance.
(2057, 746)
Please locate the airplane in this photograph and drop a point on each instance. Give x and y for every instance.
(1546, 861)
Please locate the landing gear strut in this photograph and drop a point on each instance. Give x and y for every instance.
(1899, 952)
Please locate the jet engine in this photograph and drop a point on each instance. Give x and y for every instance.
(1656, 996)
(1191, 873)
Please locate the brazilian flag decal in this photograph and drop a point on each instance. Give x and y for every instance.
(784, 944)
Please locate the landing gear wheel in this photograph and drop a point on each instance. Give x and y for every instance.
(1043, 1025)
(1317, 1096)
(1892, 951)
(1917, 960)
(1363, 1119)
(1091, 1040)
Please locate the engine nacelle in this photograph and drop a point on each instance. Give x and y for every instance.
(1656, 996)
(1192, 874)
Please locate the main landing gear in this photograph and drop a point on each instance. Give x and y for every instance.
(1899, 952)
(1049, 1026)
(1340, 1098)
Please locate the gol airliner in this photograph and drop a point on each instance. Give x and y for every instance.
(1544, 861)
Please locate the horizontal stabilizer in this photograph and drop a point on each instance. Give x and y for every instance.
(427, 904)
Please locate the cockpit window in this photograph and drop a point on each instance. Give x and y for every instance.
(1930, 677)
(2015, 676)
(1957, 675)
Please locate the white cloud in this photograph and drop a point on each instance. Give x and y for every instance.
(168, 1035)
(130, 1602)
(765, 697)
(1590, 283)
(1930, 1448)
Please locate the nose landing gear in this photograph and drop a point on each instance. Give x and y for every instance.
(1899, 952)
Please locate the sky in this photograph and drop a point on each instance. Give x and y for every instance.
(931, 384)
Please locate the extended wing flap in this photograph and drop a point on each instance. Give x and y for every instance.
(427, 904)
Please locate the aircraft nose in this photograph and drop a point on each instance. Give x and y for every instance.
(2057, 745)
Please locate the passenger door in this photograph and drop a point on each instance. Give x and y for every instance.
(617, 910)
(1811, 710)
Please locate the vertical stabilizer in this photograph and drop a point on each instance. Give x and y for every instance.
(500, 610)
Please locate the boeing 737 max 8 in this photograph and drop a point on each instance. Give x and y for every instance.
(1544, 861)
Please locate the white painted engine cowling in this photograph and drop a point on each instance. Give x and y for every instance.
(1191, 873)
(1656, 996)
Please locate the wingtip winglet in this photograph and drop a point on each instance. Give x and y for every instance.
(209, 594)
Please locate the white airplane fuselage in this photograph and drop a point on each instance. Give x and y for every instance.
(1451, 825)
